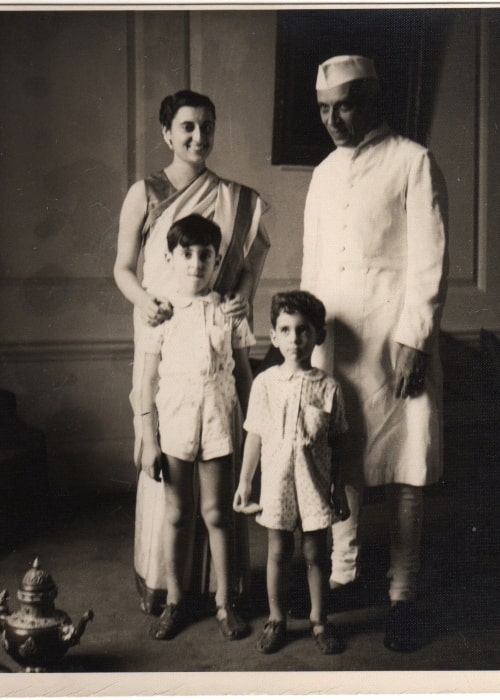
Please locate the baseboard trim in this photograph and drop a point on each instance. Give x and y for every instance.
(66, 351)
(122, 350)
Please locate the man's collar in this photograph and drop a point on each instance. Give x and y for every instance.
(379, 132)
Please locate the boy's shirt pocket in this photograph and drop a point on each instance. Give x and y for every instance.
(315, 424)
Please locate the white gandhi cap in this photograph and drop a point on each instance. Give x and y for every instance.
(343, 69)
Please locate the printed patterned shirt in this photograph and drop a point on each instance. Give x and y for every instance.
(296, 416)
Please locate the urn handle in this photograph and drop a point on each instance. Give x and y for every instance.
(4, 605)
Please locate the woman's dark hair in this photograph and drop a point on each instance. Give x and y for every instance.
(194, 230)
(184, 98)
(300, 302)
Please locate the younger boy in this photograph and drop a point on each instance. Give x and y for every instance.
(295, 417)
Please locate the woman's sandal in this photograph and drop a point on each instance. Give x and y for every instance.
(231, 625)
(327, 642)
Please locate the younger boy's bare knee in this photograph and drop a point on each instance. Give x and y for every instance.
(280, 546)
(314, 550)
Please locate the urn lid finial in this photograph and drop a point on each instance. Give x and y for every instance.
(37, 584)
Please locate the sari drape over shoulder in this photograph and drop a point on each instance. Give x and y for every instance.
(237, 210)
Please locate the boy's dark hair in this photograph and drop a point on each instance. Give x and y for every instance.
(184, 98)
(301, 302)
(194, 230)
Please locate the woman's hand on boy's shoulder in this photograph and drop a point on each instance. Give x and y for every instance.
(156, 311)
(235, 304)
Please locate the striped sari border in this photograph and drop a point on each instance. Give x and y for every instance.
(233, 259)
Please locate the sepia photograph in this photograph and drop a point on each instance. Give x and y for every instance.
(302, 497)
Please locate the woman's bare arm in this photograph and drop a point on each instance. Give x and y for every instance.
(238, 302)
(132, 217)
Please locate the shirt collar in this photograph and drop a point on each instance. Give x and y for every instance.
(380, 132)
(287, 375)
(181, 301)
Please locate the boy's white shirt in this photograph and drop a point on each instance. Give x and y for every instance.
(215, 325)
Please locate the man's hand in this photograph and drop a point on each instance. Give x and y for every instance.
(338, 501)
(409, 373)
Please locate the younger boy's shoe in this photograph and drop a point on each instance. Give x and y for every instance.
(273, 637)
(170, 622)
(404, 629)
(230, 623)
(327, 642)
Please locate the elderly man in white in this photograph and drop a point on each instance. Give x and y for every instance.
(375, 253)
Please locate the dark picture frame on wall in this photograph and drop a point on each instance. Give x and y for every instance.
(405, 45)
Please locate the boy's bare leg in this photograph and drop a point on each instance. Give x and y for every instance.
(178, 479)
(178, 484)
(216, 497)
(279, 557)
(315, 554)
(314, 547)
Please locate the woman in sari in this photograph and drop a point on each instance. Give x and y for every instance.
(150, 207)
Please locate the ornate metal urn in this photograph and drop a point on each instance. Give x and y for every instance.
(38, 635)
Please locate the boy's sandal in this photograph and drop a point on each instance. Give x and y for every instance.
(273, 637)
(170, 622)
(231, 625)
(327, 642)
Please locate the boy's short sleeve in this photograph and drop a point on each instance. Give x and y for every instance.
(241, 335)
(151, 339)
(338, 422)
(256, 408)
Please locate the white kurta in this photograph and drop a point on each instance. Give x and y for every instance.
(375, 254)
